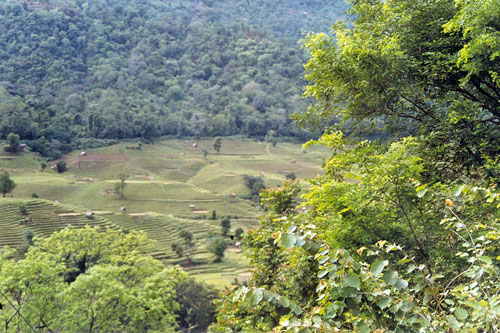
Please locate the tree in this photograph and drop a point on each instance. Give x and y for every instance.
(6, 184)
(189, 243)
(178, 249)
(89, 279)
(385, 72)
(217, 245)
(255, 185)
(225, 225)
(61, 166)
(217, 145)
(238, 233)
(23, 210)
(197, 309)
(120, 187)
(14, 142)
(28, 236)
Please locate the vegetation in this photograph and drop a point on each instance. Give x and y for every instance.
(255, 185)
(6, 183)
(400, 234)
(217, 245)
(106, 284)
(165, 177)
(61, 166)
(113, 70)
(120, 187)
(14, 142)
(238, 233)
(225, 225)
(217, 145)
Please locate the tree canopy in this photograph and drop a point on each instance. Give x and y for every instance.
(6, 183)
(400, 233)
(91, 280)
(73, 71)
(414, 68)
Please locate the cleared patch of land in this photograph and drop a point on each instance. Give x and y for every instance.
(172, 186)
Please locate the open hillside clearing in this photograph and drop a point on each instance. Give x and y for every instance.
(171, 186)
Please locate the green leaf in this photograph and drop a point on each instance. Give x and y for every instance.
(284, 301)
(458, 190)
(300, 241)
(461, 314)
(486, 259)
(322, 273)
(322, 260)
(257, 296)
(377, 267)
(296, 309)
(453, 322)
(422, 192)
(401, 284)
(352, 280)
(390, 277)
(267, 295)
(383, 302)
(288, 240)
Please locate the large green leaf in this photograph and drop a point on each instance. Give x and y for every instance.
(390, 277)
(461, 314)
(382, 301)
(401, 284)
(288, 240)
(377, 267)
(352, 280)
(284, 301)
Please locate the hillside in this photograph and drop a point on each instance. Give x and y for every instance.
(71, 70)
(171, 187)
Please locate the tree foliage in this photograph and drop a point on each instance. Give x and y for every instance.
(225, 225)
(217, 245)
(6, 183)
(61, 166)
(14, 142)
(399, 234)
(120, 187)
(88, 280)
(384, 69)
(80, 71)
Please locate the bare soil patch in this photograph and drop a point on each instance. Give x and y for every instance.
(200, 211)
(139, 215)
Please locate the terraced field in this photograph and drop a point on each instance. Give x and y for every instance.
(42, 217)
(172, 185)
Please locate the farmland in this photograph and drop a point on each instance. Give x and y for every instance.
(172, 185)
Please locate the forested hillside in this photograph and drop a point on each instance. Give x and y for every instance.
(119, 69)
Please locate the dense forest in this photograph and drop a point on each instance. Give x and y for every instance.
(73, 70)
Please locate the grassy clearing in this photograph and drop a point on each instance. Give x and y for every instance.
(171, 182)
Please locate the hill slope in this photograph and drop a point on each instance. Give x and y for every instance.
(119, 69)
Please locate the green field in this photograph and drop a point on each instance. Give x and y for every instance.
(171, 187)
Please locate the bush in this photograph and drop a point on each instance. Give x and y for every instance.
(217, 245)
(61, 166)
(238, 233)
